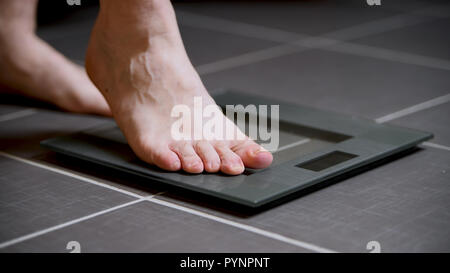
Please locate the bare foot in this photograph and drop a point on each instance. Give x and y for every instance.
(32, 68)
(137, 60)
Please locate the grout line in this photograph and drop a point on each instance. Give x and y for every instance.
(248, 58)
(17, 114)
(67, 173)
(245, 227)
(415, 108)
(237, 28)
(389, 55)
(66, 224)
(297, 143)
(437, 146)
(377, 26)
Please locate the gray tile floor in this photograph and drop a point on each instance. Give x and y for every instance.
(388, 63)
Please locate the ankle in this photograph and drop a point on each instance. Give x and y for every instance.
(15, 48)
(12, 39)
(137, 18)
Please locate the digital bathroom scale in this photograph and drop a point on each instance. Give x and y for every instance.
(315, 146)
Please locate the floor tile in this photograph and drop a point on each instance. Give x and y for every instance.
(206, 46)
(397, 197)
(131, 183)
(306, 17)
(148, 227)
(435, 120)
(21, 136)
(343, 83)
(33, 199)
(428, 39)
(74, 22)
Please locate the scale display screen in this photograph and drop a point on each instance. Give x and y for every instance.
(326, 161)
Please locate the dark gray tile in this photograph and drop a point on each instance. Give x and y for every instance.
(205, 46)
(435, 120)
(73, 46)
(70, 35)
(427, 39)
(338, 82)
(73, 23)
(149, 227)
(33, 199)
(131, 183)
(420, 237)
(21, 136)
(307, 17)
(408, 196)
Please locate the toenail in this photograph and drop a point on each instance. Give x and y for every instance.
(237, 168)
(260, 150)
(214, 166)
(195, 165)
(175, 165)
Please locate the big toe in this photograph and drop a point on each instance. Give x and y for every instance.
(253, 155)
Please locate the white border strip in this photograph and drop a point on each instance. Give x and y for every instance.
(252, 229)
(67, 173)
(414, 108)
(17, 114)
(66, 224)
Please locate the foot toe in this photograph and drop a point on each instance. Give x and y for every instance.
(231, 163)
(190, 161)
(253, 155)
(167, 160)
(209, 156)
(161, 156)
